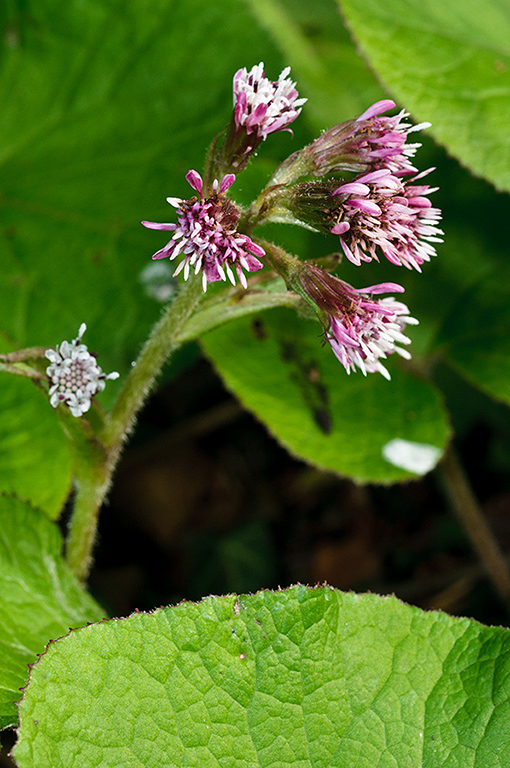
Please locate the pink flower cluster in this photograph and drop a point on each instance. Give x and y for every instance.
(383, 210)
(206, 236)
(371, 332)
(262, 106)
(380, 211)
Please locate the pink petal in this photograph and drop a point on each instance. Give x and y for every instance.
(341, 228)
(155, 225)
(383, 288)
(367, 206)
(352, 188)
(195, 180)
(227, 182)
(376, 109)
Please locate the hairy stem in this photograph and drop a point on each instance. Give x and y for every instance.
(96, 458)
(91, 484)
(89, 469)
(470, 515)
(162, 342)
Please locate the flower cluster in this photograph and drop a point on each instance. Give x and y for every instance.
(262, 106)
(75, 377)
(206, 235)
(376, 213)
(383, 209)
(361, 330)
(382, 141)
(370, 333)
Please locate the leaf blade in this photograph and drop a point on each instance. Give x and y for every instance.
(448, 64)
(41, 598)
(338, 422)
(313, 675)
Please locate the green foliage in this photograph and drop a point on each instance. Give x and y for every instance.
(40, 601)
(447, 63)
(34, 462)
(306, 677)
(329, 72)
(339, 422)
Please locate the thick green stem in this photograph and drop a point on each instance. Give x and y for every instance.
(92, 483)
(96, 458)
(89, 467)
(219, 313)
(163, 340)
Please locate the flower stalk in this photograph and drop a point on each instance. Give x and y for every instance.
(160, 345)
(92, 480)
(467, 509)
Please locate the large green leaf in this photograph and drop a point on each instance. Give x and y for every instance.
(110, 112)
(34, 456)
(40, 598)
(448, 63)
(368, 429)
(295, 678)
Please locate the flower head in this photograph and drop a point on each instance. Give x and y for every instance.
(262, 106)
(381, 212)
(369, 143)
(361, 330)
(75, 377)
(206, 236)
(382, 141)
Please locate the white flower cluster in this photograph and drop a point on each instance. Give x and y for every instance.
(75, 377)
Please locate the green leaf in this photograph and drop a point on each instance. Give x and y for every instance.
(40, 597)
(301, 677)
(475, 336)
(329, 71)
(34, 461)
(300, 391)
(448, 63)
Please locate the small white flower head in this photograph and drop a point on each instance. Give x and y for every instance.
(75, 377)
